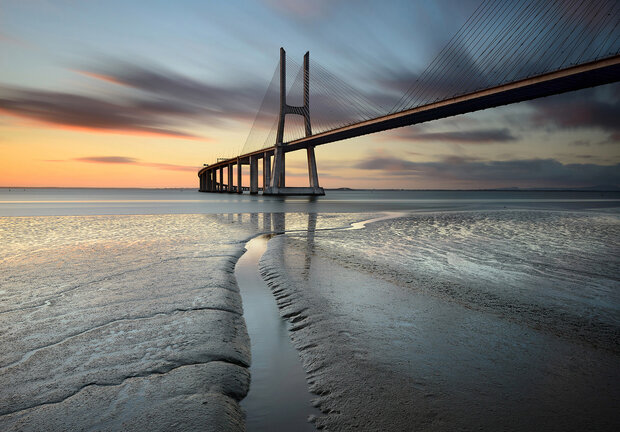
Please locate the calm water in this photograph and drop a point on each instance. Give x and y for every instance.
(279, 399)
(35, 202)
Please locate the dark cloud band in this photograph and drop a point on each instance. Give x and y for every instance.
(525, 173)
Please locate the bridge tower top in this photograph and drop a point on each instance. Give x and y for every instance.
(277, 181)
(285, 108)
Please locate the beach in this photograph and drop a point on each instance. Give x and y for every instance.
(121, 322)
(473, 311)
(457, 321)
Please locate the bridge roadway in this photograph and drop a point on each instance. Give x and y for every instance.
(578, 77)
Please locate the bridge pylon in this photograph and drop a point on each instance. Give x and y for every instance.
(277, 181)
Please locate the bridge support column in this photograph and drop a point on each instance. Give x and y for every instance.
(312, 172)
(210, 181)
(239, 172)
(230, 178)
(253, 175)
(276, 181)
(266, 170)
(221, 184)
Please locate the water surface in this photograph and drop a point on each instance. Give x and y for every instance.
(34, 202)
(278, 398)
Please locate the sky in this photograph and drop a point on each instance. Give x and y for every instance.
(143, 93)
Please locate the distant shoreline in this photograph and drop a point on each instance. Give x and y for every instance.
(509, 189)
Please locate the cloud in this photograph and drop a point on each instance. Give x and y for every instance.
(454, 72)
(98, 76)
(170, 167)
(592, 108)
(12, 40)
(478, 136)
(107, 159)
(142, 100)
(173, 93)
(523, 172)
(123, 160)
(85, 112)
(303, 9)
(581, 143)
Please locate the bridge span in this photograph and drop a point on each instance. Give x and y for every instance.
(512, 43)
(212, 178)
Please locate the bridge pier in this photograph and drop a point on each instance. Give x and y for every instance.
(313, 175)
(266, 170)
(277, 181)
(282, 170)
(230, 178)
(239, 172)
(253, 175)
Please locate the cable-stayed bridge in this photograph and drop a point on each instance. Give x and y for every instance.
(506, 52)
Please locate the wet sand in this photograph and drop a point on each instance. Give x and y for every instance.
(128, 322)
(121, 323)
(457, 321)
(504, 320)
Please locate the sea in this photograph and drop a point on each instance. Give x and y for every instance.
(171, 309)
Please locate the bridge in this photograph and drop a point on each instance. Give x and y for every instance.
(503, 54)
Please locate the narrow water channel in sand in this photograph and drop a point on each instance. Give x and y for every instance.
(278, 398)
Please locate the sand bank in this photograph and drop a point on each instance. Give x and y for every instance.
(122, 323)
(437, 321)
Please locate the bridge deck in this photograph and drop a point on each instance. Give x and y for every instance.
(586, 75)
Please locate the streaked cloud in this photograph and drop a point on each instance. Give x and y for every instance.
(10, 39)
(170, 167)
(477, 136)
(594, 108)
(302, 8)
(86, 112)
(107, 159)
(123, 160)
(178, 90)
(99, 76)
(146, 100)
(522, 172)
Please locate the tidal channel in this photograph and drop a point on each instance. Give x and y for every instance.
(278, 398)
